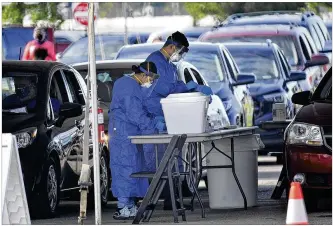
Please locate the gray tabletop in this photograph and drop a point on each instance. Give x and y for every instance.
(201, 137)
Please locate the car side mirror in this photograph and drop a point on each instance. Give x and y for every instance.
(70, 110)
(296, 76)
(327, 47)
(317, 60)
(58, 55)
(302, 98)
(245, 79)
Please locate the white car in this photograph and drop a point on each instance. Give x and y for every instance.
(109, 71)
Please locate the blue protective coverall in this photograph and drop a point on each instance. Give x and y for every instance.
(166, 84)
(127, 118)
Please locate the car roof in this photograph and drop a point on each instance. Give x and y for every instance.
(267, 19)
(71, 35)
(123, 63)
(257, 45)
(32, 65)
(255, 30)
(197, 45)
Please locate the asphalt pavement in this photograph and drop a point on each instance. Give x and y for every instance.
(267, 212)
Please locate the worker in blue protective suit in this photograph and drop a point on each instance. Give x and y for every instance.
(174, 49)
(129, 118)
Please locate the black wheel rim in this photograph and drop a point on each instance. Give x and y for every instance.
(104, 179)
(52, 187)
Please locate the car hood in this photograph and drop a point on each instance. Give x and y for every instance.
(317, 113)
(13, 123)
(264, 87)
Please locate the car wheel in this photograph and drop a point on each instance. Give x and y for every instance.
(104, 182)
(310, 200)
(46, 202)
(279, 159)
(187, 187)
(206, 181)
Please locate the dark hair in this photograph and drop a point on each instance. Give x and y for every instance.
(147, 65)
(40, 54)
(179, 38)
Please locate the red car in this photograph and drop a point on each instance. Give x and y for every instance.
(308, 142)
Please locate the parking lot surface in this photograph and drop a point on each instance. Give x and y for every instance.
(268, 211)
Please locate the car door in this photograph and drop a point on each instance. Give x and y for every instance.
(241, 92)
(312, 73)
(76, 124)
(62, 132)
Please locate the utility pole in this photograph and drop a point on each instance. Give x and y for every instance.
(125, 17)
(96, 157)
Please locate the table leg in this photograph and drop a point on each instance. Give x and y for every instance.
(156, 156)
(234, 172)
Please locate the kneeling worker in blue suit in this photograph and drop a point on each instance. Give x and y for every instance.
(129, 118)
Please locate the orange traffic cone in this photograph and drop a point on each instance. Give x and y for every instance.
(296, 213)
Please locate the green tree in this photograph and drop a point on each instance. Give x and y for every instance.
(315, 6)
(45, 11)
(220, 10)
(104, 9)
(13, 13)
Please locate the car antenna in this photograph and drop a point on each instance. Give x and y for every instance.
(20, 53)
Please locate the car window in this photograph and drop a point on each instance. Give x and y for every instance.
(315, 37)
(208, 63)
(62, 40)
(324, 89)
(106, 47)
(325, 30)
(260, 61)
(305, 48)
(231, 69)
(284, 67)
(285, 42)
(188, 76)
(74, 87)
(320, 34)
(285, 62)
(19, 92)
(311, 46)
(63, 93)
(197, 77)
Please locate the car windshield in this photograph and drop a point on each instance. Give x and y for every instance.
(261, 62)
(106, 48)
(136, 52)
(19, 91)
(208, 64)
(286, 43)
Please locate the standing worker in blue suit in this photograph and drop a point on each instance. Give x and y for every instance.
(173, 50)
(129, 118)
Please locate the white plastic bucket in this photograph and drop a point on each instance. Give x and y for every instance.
(185, 113)
(222, 187)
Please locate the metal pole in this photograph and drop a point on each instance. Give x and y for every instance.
(125, 16)
(96, 155)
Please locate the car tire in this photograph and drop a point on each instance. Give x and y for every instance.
(206, 181)
(279, 159)
(105, 185)
(310, 200)
(45, 203)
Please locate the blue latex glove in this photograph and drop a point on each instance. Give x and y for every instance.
(160, 126)
(191, 85)
(160, 118)
(204, 89)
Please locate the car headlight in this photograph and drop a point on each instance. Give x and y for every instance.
(25, 137)
(275, 97)
(227, 104)
(301, 133)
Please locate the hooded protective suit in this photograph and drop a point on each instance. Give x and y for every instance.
(127, 118)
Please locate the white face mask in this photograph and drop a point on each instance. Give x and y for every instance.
(175, 57)
(146, 85)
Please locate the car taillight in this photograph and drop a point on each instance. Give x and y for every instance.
(100, 121)
(100, 124)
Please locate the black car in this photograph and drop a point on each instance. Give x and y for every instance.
(42, 105)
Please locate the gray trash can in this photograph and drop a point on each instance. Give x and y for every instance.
(223, 190)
